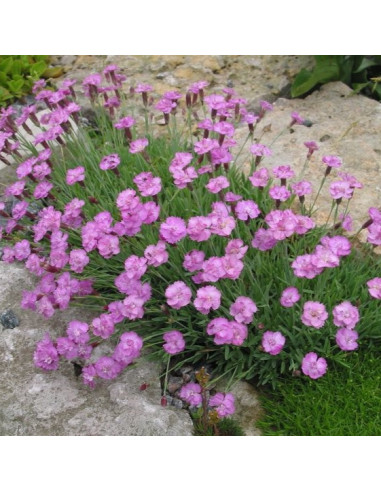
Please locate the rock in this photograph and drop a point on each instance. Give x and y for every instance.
(9, 320)
(247, 405)
(174, 383)
(344, 124)
(57, 403)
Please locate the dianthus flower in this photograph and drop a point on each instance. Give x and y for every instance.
(222, 329)
(324, 258)
(194, 260)
(237, 248)
(354, 183)
(41, 171)
(148, 184)
(205, 145)
(75, 175)
(109, 162)
(260, 178)
(212, 269)
(173, 230)
(222, 225)
(220, 156)
(332, 161)
(340, 189)
(25, 168)
(128, 348)
(196, 87)
(224, 128)
(133, 307)
(22, 250)
(207, 298)
(191, 393)
(346, 339)
(280, 193)
(182, 177)
(302, 188)
(260, 150)
(374, 287)
(178, 295)
(289, 297)
(175, 342)
(273, 342)
(135, 267)
(223, 403)
(33, 264)
(303, 224)
(314, 314)
(165, 105)
(125, 122)
(283, 172)
(345, 315)
(67, 348)
(89, 373)
(232, 267)
(296, 119)
(247, 209)
(138, 145)
(77, 332)
(45, 307)
(199, 228)
(312, 147)
(108, 246)
(46, 356)
(314, 366)
(15, 189)
(181, 160)
(78, 260)
(282, 223)
(263, 239)
(143, 88)
(103, 326)
(157, 254)
(42, 190)
(243, 309)
(339, 245)
(107, 368)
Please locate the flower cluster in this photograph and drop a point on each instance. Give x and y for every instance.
(172, 242)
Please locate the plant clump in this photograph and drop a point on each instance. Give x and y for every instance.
(176, 249)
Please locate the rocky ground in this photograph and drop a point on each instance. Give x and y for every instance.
(32, 403)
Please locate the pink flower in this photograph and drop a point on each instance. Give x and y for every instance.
(222, 330)
(78, 260)
(78, 332)
(374, 287)
(237, 248)
(260, 178)
(128, 349)
(346, 339)
(147, 184)
(103, 326)
(332, 161)
(223, 403)
(302, 188)
(165, 105)
(199, 228)
(126, 122)
(260, 150)
(138, 145)
(314, 314)
(133, 307)
(173, 230)
(339, 245)
(224, 128)
(109, 162)
(108, 246)
(240, 333)
(22, 250)
(263, 239)
(89, 373)
(205, 145)
(75, 175)
(194, 260)
(232, 267)
(289, 297)
(207, 298)
(156, 255)
(215, 185)
(46, 356)
(280, 193)
(135, 267)
(273, 342)
(313, 366)
(178, 295)
(296, 119)
(340, 190)
(191, 393)
(247, 209)
(283, 172)
(143, 88)
(107, 368)
(345, 315)
(243, 309)
(175, 342)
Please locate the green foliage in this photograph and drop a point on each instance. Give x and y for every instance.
(224, 427)
(18, 74)
(360, 72)
(346, 402)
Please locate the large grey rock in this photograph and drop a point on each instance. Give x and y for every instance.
(343, 124)
(33, 402)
